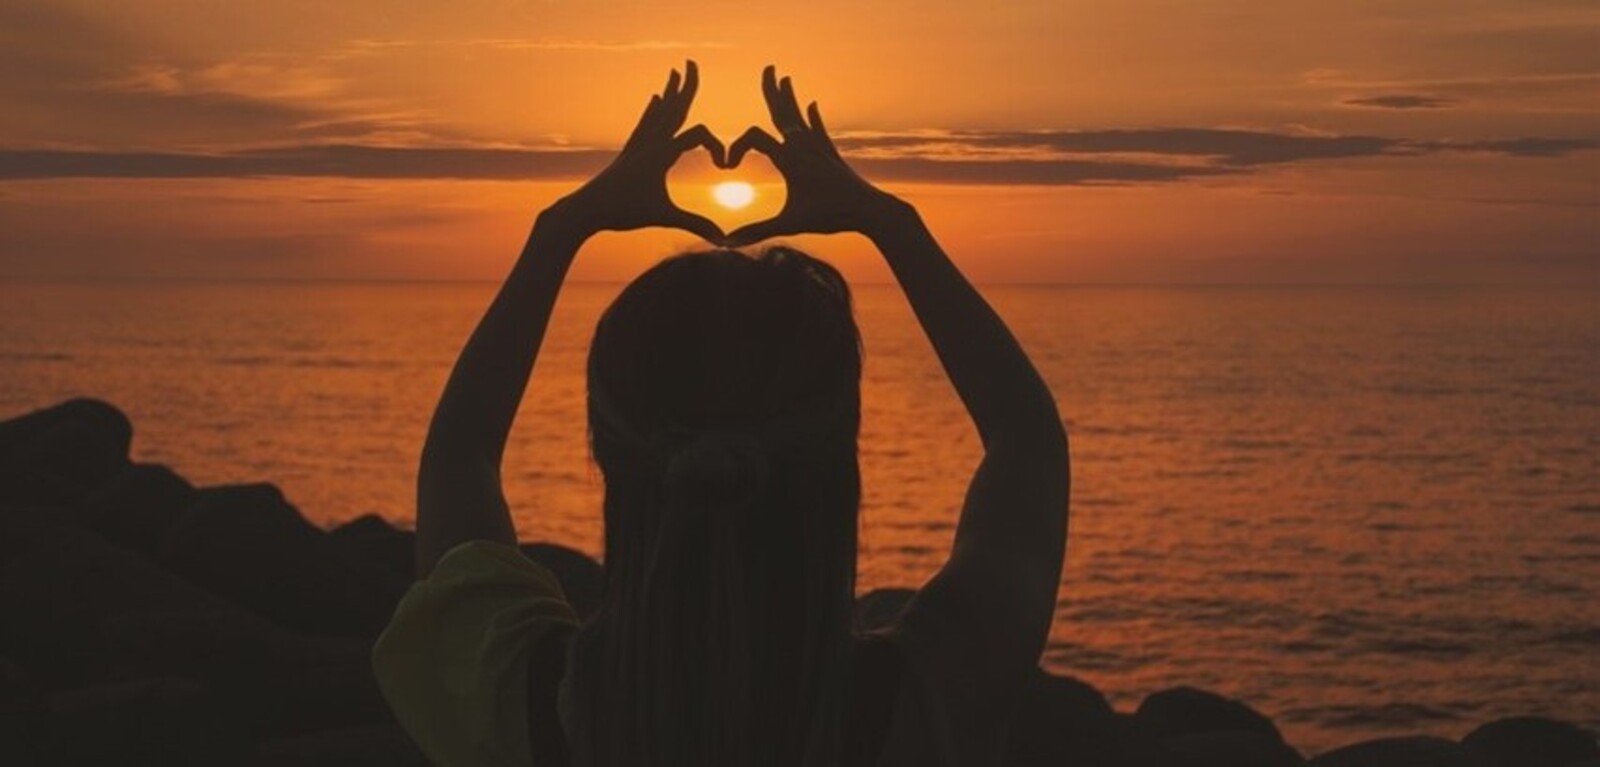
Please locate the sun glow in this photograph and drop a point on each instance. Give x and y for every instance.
(733, 194)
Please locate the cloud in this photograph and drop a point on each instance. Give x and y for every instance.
(1043, 158)
(1571, 91)
(511, 164)
(1525, 147)
(532, 44)
(1524, 202)
(237, 102)
(1340, 79)
(109, 89)
(347, 161)
(1210, 146)
(256, 77)
(1025, 172)
(1401, 101)
(1183, 151)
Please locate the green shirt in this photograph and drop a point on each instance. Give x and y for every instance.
(453, 662)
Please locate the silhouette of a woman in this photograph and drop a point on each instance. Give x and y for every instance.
(724, 405)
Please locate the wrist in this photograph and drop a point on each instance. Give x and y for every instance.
(565, 222)
(889, 217)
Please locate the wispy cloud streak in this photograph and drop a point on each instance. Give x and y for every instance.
(1401, 101)
(1043, 158)
(533, 44)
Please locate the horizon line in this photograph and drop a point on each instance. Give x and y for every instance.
(1088, 284)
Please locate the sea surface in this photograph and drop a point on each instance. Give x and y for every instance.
(1364, 511)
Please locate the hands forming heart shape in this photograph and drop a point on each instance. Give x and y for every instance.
(825, 195)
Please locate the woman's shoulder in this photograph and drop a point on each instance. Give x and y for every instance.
(453, 661)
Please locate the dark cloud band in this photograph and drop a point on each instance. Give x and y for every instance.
(1401, 101)
(345, 161)
(1045, 158)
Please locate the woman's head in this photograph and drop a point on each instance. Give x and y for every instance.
(724, 405)
(719, 341)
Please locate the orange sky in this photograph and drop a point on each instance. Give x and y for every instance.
(1045, 140)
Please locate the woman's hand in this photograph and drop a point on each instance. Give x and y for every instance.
(825, 195)
(631, 193)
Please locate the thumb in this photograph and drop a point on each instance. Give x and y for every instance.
(758, 231)
(701, 136)
(759, 140)
(695, 224)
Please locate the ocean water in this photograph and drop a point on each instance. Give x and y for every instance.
(1364, 511)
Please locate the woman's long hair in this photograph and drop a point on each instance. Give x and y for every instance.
(724, 406)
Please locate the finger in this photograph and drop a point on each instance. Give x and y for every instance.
(769, 91)
(758, 231)
(814, 116)
(753, 138)
(685, 96)
(672, 87)
(691, 82)
(700, 135)
(695, 224)
(820, 130)
(788, 108)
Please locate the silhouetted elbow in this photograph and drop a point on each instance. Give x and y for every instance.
(1036, 428)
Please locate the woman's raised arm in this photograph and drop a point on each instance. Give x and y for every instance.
(459, 494)
(989, 608)
(1003, 573)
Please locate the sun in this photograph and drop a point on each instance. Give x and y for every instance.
(733, 194)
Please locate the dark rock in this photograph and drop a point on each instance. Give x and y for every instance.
(1067, 699)
(378, 746)
(1230, 748)
(97, 611)
(18, 690)
(24, 717)
(879, 607)
(84, 599)
(61, 454)
(1402, 752)
(291, 701)
(275, 682)
(1186, 711)
(145, 721)
(1061, 720)
(582, 578)
(16, 433)
(137, 506)
(245, 542)
(1532, 741)
(372, 536)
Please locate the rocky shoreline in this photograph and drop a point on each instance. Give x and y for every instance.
(148, 621)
